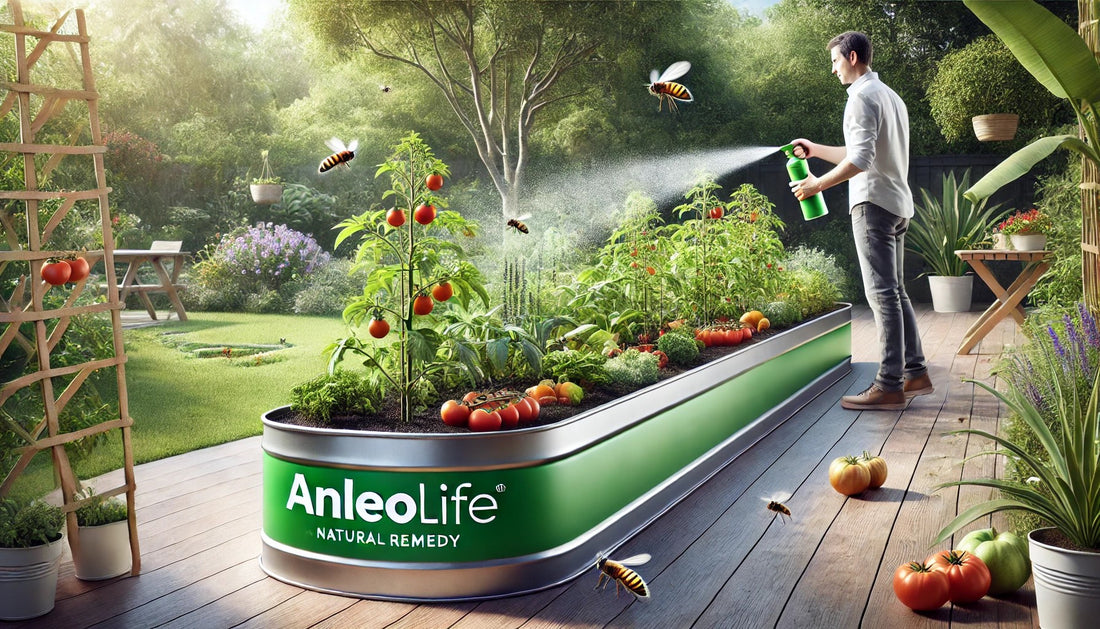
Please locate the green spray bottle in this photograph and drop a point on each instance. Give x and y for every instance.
(812, 207)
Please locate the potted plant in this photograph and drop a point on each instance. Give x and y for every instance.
(104, 549)
(980, 86)
(266, 189)
(1027, 230)
(942, 226)
(30, 552)
(1062, 413)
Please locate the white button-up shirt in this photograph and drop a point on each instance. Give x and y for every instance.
(876, 136)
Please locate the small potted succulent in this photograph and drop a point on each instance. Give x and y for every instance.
(1028, 230)
(104, 549)
(266, 189)
(30, 553)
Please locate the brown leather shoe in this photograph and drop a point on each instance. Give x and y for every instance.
(875, 399)
(917, 386)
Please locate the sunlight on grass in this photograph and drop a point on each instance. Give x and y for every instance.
(181, 403)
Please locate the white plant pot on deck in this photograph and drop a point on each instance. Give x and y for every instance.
(28, 580)
(1029, 242)
(951, 293)
(104, 551)
(1067, 585)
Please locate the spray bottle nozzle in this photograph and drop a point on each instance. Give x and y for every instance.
(788, 149)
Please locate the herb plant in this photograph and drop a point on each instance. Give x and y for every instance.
(31, 524)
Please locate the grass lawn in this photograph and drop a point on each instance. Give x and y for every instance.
(182, 403)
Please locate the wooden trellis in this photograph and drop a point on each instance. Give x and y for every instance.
(1090, 182)
(36, 104)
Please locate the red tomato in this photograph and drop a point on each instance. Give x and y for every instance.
(509, 416)
(482, 420)
(422, 305)
(717, 213)
(471, 396)
(968, 577)
(378, 328)
(455, 413)
(536, 408)
(433, 182)
(746, 334)
(424, 214)
(78, 269)
(919, 587)
(651, 270)
(56, 273)
(547, 400)
(733, 337)
(443, 292)
(527, 412)
(395, 217)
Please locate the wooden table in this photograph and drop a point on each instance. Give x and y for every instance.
(1007, 302)
(169, 281)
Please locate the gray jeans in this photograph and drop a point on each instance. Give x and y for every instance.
(880, 243)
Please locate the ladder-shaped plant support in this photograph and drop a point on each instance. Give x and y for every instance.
(36, 105)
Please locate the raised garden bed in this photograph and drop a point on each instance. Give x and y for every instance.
(453, 516)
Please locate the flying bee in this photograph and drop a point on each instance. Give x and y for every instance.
(385, 88)
(518, 224)
(664, 89)
(342, 155)
(775, 505)
(618, 572)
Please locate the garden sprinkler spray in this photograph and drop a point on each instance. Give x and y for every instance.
(812, 207)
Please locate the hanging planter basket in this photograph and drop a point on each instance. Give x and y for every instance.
(267, 189)
(991, 127)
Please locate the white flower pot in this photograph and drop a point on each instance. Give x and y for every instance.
(266, 193)
(28, 580)
(104, 551)
(1029, 242)
(951, 293)
(1067, 585)
(1000, 241)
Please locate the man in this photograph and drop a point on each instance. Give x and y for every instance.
(875, 160)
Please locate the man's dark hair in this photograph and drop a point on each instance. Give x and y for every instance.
(852, 41)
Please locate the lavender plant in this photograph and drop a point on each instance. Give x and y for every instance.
(268, 255)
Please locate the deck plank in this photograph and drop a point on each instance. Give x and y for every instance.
(719, 558)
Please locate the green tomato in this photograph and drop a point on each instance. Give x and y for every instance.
(1006, 556)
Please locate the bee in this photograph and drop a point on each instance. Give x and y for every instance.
(618, 572)
(385, 88)
(775, 504)
(343, 154)
(518, 224)
(664, 89)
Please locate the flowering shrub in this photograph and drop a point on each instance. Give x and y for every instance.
(269, 255)
(1033, 221)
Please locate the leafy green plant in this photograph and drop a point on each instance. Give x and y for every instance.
(811, 291)
(487, 347)
(584, 368)
(266, 176)
(633, 368)
(812, 258)
(1062, 413)
(942, 226)
(23, 525)
(982, 78)
(340, 392)
(99, 510)
(680, 348)
(407, 261)
(782, 313)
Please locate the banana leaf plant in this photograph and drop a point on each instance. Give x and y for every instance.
(1059, 59)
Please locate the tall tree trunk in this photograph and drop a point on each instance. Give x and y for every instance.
(1090, 181)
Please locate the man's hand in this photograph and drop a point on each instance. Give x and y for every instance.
(806, 188)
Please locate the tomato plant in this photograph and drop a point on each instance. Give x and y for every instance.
(920, 587)
(455, 413)
(967, 576)
(79, 269)
(876, 465)
(378, 328)
(395, 217)
(56, 273)
(847, 476)
(433, 182)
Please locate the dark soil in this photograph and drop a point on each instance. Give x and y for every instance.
(428, 420)
(1054, 537)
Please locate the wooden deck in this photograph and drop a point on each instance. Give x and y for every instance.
(719, 558)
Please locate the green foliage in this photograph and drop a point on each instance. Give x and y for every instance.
(26, 525)
(680, 348)
(782, 313)
(810, 258)
(984, 77)
(486, 347)
(633, 368)
(328, 289)
(341, 392)
(99, 510)
(1059, 196)
(942, 226)
(584, 368)
(812, 291)
(1053, 388)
